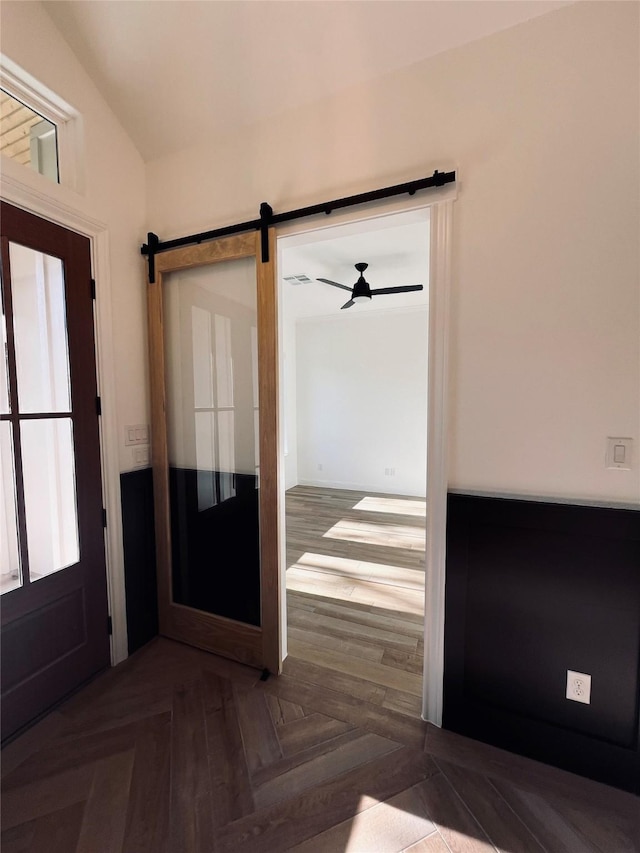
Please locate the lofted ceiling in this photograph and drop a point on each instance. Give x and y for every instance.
(174, 71)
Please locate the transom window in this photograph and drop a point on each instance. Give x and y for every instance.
(28, 137)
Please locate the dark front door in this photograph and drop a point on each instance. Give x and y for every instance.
(52, 562)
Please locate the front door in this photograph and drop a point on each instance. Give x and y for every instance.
(213, 352)
(52, 558)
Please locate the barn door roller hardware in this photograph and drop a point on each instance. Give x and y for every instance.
(268, 218)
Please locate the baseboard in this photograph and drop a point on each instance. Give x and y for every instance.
(359, 487)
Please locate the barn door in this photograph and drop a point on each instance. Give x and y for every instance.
(212, 322)
(55, 631)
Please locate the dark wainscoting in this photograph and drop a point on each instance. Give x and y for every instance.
(138, 532)
(535, 589)
(216, 547)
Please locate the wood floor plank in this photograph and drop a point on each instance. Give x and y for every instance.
(325, 743)
(114, 712)
(342, 628)
(527, 773)
(339, 760)
(331, 679)
(231, 791)
(105, 812)
(433, 843)
(501, 824)
(397, 599)
(403, 660)
(38, 736)
(455, 823)
(363, 714)
(605, 829)
(386, 676)
(17, 839)
(358, 649)
(365, 614)
(301, 734)
(147, 824)
(57, 832)
(295, 820)
(387, 827)
(42, 796)
(68, 752)
(404, 703)
(191, 807)
(259, 736)
(544, 821)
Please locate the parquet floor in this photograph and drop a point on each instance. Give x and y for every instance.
(179, 751)
(355, 594)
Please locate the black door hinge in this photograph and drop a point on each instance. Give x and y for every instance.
(104, 517)
(98, 406)
(93, 288)
(109, 625)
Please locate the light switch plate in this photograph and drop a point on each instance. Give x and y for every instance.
(619, 453)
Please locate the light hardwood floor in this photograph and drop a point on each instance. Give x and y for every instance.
(355, 594)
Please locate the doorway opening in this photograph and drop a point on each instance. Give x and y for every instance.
(354, 390)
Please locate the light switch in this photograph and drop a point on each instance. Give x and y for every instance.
(619, 453)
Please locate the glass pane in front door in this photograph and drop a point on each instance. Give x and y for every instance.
(210, 323)
(40, 331)
(10, 566)
(48, 470)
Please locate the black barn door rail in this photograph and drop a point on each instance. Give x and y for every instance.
(268, 218)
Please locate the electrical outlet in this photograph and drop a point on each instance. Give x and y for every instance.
(579, 687)
(320, 466)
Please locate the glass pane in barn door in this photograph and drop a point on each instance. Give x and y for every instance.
(211, 375)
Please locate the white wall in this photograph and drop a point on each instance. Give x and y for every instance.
(542, 123)
(289, 390)
(362, 401)
(113, 193)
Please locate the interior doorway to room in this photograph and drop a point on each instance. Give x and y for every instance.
(354, 385)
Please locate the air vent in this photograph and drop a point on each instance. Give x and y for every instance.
(297, 279)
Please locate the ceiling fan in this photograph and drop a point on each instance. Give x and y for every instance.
(361, 292)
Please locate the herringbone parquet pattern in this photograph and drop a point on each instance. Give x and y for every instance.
(178, 751)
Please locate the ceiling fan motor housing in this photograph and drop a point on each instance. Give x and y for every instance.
(361, 289)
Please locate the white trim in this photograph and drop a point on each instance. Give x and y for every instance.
(34, 201)
(437, 449)
(68, 121)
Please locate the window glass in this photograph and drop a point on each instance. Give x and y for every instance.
(27, 137)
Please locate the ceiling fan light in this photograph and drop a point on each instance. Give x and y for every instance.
(363, 297)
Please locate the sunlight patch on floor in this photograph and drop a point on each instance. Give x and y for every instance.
(379, 572)
(387, 827)
(395, 506)
(386, 535)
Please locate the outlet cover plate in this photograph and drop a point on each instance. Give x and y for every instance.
(579, 687)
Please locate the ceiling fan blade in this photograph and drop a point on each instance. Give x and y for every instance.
(405, 289)
(334, 283)
(348, 304)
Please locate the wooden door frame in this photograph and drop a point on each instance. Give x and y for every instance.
(440, 205)
(257, 646)
(39, 196)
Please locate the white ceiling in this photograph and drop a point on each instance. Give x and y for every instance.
(176, 70)
(396, 247)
